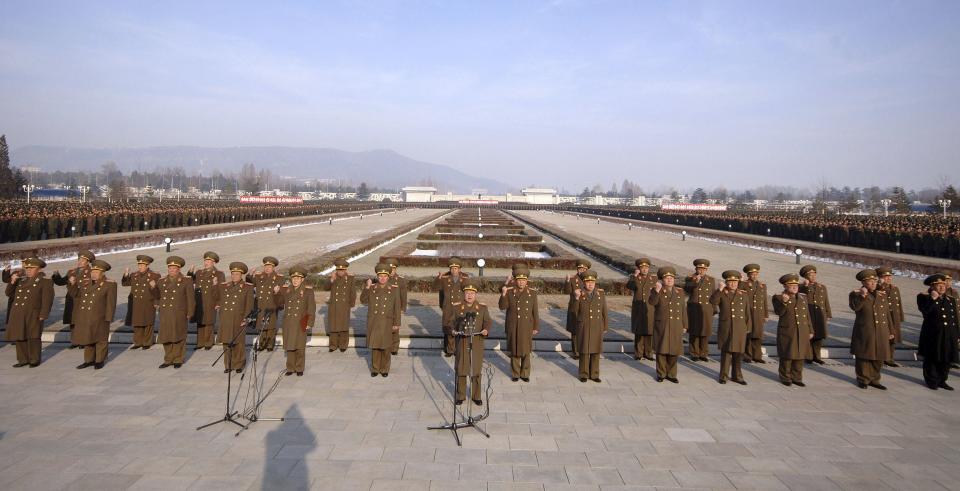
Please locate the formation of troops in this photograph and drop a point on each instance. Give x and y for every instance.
(42, 220)
(665, 308)
(926, 235)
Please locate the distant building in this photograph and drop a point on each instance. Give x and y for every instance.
(540, 196)
(419, 194)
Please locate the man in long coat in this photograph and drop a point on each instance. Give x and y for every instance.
(641, 282)
(669, 323)
(699, 286)
(794, 330)
(141, 306)
(939, 332)
(96, 303)
(234, 303)
(522, 321)
(176, 300)
(299, 311)
(343, 297)
(383, 317)
(733, 327)
(31, 297)
(757, 292)
(870, 341)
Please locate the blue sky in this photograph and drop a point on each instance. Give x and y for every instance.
(566, 93)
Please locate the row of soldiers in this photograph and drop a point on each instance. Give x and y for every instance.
(929, 235)
(40, 220)
(662, 312)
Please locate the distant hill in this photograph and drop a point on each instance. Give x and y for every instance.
(382, 168)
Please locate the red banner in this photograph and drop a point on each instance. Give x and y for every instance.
(478, 202)
(693, 207)
(271, 199)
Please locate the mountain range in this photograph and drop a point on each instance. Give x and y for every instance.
(381, 168)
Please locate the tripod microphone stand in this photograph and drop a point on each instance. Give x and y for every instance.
(252, 412)
(465, 332)
(228, 415)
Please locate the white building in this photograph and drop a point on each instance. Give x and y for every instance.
(540, 196)
(419, 194)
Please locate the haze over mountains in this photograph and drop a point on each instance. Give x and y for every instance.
(382, 168)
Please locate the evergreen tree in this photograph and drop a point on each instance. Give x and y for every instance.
(699, 196)
(8, 184)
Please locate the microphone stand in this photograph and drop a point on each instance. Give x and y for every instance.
(228, 414)
(465, 332)
(252, 413)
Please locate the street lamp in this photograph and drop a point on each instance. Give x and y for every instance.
(278, 228)
(886, 206)
(898, 247)
(945, 203)
(480, 264)
(168, 241)
(29, 189)
(480, 236)
(83, 190)
(683, 235)
(799, 252)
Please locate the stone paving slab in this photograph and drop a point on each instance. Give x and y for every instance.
(131, 426)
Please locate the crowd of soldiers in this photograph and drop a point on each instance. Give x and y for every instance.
(665, 308)
(925, 235)
(40, 220)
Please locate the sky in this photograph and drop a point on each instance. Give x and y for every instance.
(552, 93)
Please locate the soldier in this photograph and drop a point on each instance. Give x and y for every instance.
(343, 296)
(574, 284)
(456, 316)
(819, 304)
(383, 316)
(141, 306)
(870, 341)
(794, 330)
(950, 292)
(669, 323)
(96, 301)
(641, 312)
(939, 332)
(401, 284)
(757, 294)
(522, 321)
(263, 282)
(450, 287)
(234, 302)
(175, 296)
(81, 272)
(299, 311)
(205, 281)
(733, 326)
(896, 310)
(592, 324)
(31, 296)
(699, 286)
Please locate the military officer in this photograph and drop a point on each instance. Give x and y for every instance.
(383, 316)
(896, 310)
(573, 285)
(299, 311)
(699, 286)
(819, 304)
(733, 326)
(263, 283)
(96, 302)
(234, 303)
(592, 323)
(522, 320)
(468, 316)
(401, 284)
(641, 312)
(141, 306)
(794, 330)
(669, 323)
(939, 332)
(343, 297)
(950, 292)
(81, 272)
(31, 296)
(449, 284)
(757, 295)
(870, 341)
(175, 296)
(205, 280)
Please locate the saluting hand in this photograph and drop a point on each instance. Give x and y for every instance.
(636, 272)
(658, 286)
(369, 282)
(126, 271)
(863, 291)
(934, 294)
(577, 293)
(14, 277)
(785, 297)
